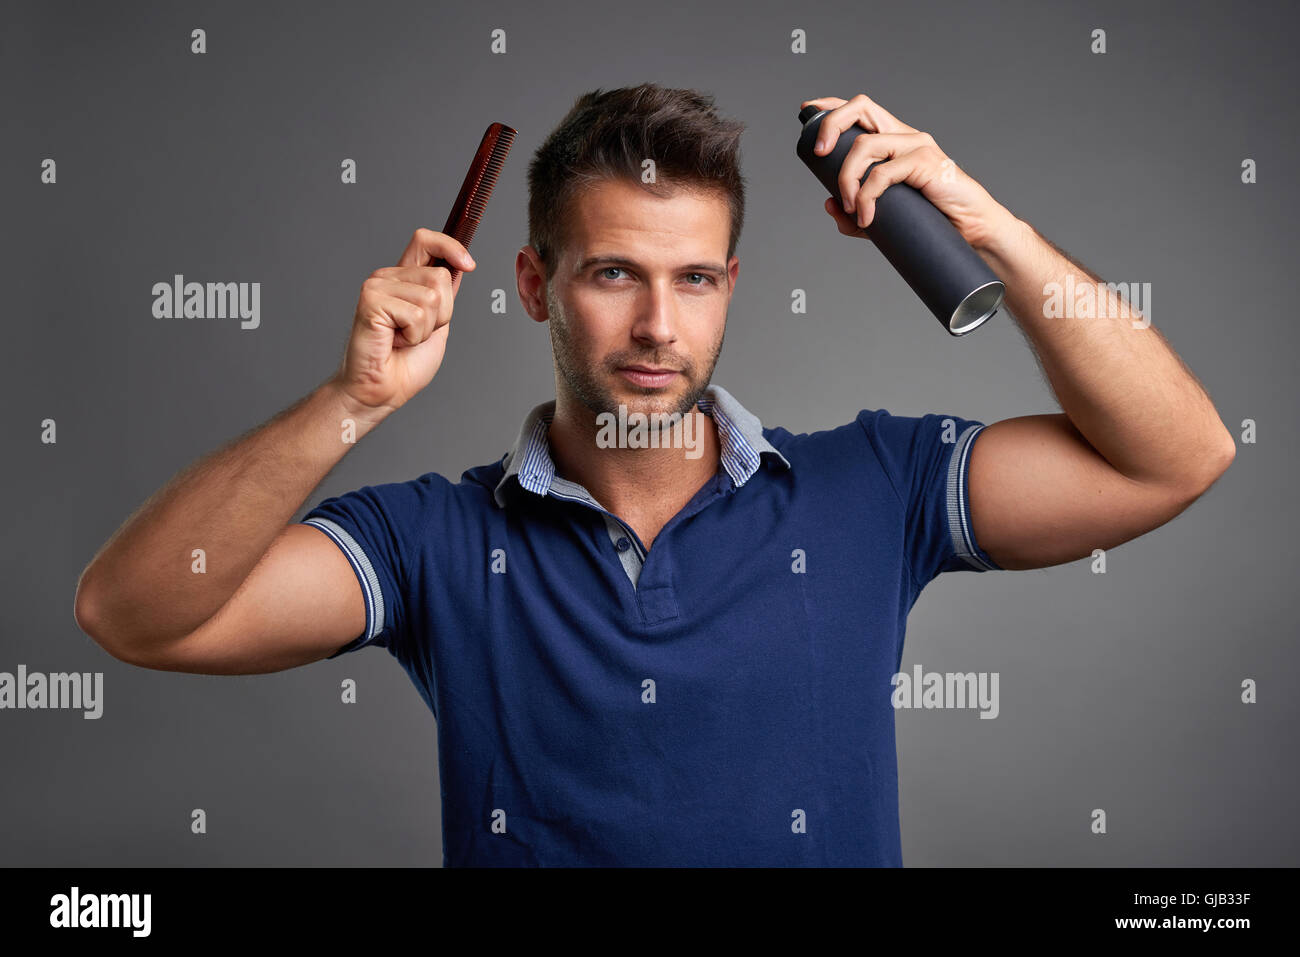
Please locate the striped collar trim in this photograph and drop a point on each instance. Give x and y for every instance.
(739, 433)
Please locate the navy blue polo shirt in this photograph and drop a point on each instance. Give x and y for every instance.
(723, 698)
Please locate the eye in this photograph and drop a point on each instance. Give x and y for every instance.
(706, 278)
(609, 269)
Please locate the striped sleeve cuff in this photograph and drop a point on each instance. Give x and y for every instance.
(959, 522)
(365, 572)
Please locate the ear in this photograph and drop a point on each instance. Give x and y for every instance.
(733, 269)
(530, 279)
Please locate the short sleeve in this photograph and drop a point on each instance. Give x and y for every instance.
(927, 460)
(378, 528)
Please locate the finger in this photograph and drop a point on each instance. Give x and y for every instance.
(418, 310)
(915, 168)
(422, 275)
(420, 293)
(412, 323)
(843, 221)
(426, 246)
(873, 148)
(863, 111)
(880, 118)
(823, 102)
(435, 277)
(832, 125)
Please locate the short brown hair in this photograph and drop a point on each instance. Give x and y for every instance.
(607, 135)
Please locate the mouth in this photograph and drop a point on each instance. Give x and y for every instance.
(648, 376)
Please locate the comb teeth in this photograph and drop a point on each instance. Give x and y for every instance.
(475, 192)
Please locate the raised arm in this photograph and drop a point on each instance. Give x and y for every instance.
(269, 595)
(1138, 439)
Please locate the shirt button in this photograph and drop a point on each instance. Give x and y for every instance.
(623, 544)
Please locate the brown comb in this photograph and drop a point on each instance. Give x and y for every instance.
(477, 188)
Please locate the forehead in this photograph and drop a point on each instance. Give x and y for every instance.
(621, 214)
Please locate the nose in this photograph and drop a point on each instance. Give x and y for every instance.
(656, 321)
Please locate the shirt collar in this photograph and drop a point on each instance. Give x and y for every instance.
(739, 432)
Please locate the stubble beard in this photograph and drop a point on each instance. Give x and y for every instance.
(584, 376)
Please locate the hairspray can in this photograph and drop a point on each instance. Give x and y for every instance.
(917, 240)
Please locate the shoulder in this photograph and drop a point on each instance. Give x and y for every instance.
(880, 441)
(401, 502)
(854, 435)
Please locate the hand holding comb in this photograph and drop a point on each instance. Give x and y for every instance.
(468, 210)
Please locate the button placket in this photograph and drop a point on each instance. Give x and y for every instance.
(628, 555)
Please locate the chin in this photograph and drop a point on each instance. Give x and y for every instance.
(648, 398)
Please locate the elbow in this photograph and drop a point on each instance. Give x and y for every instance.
(1225, 450)
(85, 608)
(88, 612)
(116, 635)
(1212, 463)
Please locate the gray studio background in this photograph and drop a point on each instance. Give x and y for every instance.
(1119, 691)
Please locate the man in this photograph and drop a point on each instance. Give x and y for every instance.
(676, 651)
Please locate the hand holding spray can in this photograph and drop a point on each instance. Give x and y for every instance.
(917, 240)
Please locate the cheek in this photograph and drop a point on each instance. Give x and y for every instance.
(587, 338)
(708, 327)
(600, 318)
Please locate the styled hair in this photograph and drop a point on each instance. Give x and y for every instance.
(608, 136)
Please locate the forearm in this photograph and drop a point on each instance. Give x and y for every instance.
(148, 583)
(1115, 376)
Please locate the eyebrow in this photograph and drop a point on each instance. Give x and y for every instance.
(618, 260)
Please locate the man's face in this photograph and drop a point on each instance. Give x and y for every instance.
(643, 282)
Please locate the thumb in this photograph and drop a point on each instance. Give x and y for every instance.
(846, 224)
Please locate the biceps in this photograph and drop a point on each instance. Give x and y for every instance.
(1041, 495)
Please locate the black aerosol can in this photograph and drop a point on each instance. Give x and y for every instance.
(918, 240)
